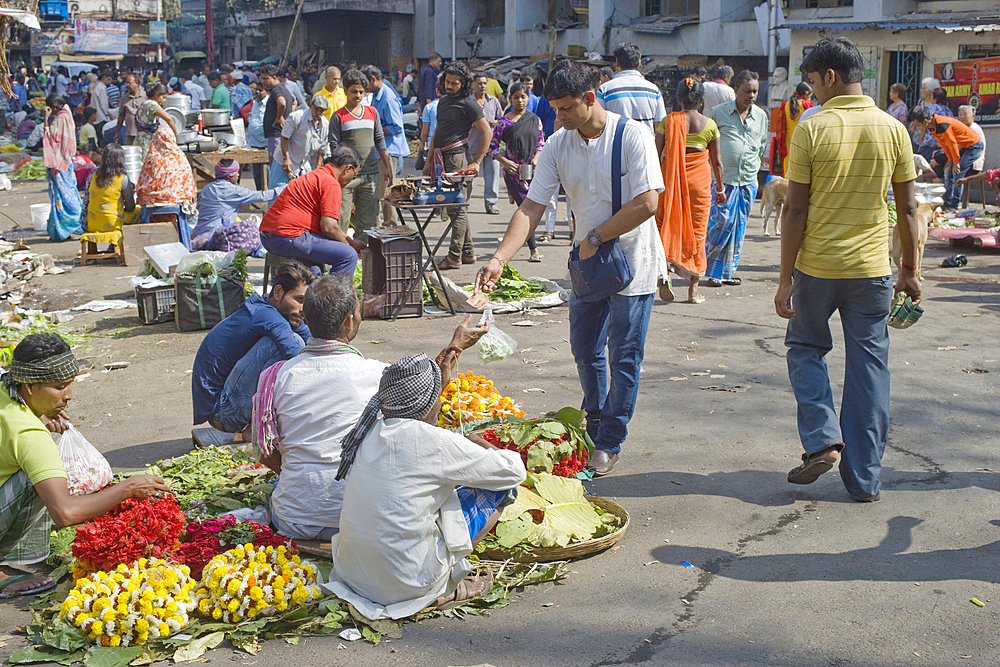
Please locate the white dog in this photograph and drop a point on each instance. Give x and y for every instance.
(774, 200)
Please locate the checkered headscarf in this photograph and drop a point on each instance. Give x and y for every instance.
(408, 390)
(51, 369)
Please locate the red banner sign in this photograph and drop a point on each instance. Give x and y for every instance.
(973, 82)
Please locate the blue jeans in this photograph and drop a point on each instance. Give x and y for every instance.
(235, 406)
(611, 330)
(953, 193)
(340, 257)
(863, 426)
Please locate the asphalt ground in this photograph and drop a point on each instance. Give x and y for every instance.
(782, 574)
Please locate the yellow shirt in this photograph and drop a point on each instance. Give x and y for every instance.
(25, 444)
(848, 154)
(337, 99)
(494, 88)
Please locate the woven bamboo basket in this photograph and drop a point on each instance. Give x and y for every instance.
(578, 550)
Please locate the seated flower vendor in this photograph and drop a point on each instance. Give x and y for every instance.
(303, 221)
(33, 490)
(219, 203)
(417, 499)
(305, 406)
(236, 350)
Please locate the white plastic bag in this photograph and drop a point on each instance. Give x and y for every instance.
(192, 262)
(495, 345)
(86, 467)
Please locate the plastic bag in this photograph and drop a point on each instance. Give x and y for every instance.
(194, 261)
(495, 345)
(86, 467)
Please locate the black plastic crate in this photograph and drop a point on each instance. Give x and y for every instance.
(394, 266)
(156, 304)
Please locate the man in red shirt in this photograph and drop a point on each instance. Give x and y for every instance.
(960, 144)
(303, 221)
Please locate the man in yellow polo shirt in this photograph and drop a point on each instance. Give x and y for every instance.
(333, 92)
(34, 395)
(835, 257)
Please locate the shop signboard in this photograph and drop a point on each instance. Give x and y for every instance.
(101, 36)
(974, 82)
(157, 32)
(51, 42)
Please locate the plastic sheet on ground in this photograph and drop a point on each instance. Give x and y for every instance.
(556, 296)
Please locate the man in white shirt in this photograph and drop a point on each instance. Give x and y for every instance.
(192, 89)
(315, 400)
(305, 139)
(202, 80)
(417, 499)
(718, 90)
(613, 329)
(629, 94)
(967, 115)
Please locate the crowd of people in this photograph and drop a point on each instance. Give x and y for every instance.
(652, 194)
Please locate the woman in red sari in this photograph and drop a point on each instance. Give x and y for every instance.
(687, 142)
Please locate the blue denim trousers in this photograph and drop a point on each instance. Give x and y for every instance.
(863, 427)
(235, 406)
(953, 193)
(340, 257)
(609, 332)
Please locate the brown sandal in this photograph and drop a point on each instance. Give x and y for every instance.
(446, 265)
(812, 467)
(464, 592)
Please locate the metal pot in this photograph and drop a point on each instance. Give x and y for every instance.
(215, 117)
(201, 144)
(186, 137)
(525, 171)
(178, 101)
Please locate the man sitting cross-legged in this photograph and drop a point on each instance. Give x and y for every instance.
(233, 354)
(305, 406)
(417, 499)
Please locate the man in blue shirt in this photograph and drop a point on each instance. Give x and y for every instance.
(20, 92)
(427, 84)
(390, 112)
(236, 351)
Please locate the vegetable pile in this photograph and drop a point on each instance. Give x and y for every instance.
(471, 401)
(556, 443)
(555, 512)
(29, 171)
(512, 287)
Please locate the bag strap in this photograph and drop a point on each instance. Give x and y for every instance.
(616, 166)
(222, 298)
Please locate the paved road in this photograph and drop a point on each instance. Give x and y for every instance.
(783, 575)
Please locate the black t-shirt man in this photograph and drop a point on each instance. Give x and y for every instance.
(455, 118)
(271, 110)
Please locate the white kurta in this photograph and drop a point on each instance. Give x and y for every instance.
(318, 400)
(403, 537)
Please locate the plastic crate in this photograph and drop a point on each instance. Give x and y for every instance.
(390, 268)
(156, 304)
(53, 10)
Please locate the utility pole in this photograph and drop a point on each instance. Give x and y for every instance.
(159, 17)
(209, 32)
(454, 32)
(772, 39)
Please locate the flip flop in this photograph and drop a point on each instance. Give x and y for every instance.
(446, 265)
(665, 291)
(713, 282)
(809, 471)
(697, 299)
(17, 578)
(462, 594)
(732, 281)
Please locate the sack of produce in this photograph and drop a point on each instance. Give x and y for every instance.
(87, 469)
(495, 344)
(240, 236)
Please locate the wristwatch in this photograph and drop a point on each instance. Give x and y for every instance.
(594, 239)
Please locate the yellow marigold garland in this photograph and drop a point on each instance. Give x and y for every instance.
(240, 583)
(131, 605)
(472, 399)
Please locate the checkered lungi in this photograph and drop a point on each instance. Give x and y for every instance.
(478, 506)
(24, 523)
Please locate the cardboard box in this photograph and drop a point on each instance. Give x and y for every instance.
(137, 237)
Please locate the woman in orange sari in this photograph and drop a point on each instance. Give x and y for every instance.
(788, 116)
(687, 142)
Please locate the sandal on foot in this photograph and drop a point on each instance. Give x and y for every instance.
(465, 589)
(714, 282)
(811, 469)
(697, 298)
(545, 237)
(534, 258)
(24, 576)
(446, 265)
(468, 259)
(732, 281)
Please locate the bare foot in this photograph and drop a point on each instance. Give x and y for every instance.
(693, 296)
(13, 589)
(467, 589)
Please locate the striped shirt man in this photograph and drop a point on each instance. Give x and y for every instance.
(630, 95)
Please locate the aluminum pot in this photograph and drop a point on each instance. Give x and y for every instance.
(186, 137)
(215, 117)
(525, 171)
(178, 101)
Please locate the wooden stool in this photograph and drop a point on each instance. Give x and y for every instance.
(968, 189)
(89, 252)
(272, 262)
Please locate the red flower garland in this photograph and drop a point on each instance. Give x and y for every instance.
(133, 530)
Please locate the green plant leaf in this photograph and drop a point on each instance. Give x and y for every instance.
(511, 533)
(112, 657)
(566, 513)
(63, 637)
(370, 635)
(42, 653)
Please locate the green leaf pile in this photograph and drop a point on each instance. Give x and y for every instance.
(559, 506)
(512, 287)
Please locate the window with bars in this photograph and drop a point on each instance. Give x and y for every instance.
(818, 4)
(670, 8)
(969, 51)
(491, 13)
